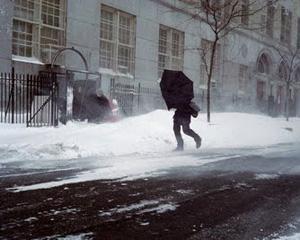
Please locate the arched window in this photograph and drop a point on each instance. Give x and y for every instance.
(263, 65)
(283, 71)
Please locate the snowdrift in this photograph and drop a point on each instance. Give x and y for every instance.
(149, 133)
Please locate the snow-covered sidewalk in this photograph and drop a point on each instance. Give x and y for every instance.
(144, 134)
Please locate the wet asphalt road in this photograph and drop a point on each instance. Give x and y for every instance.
(255, 196)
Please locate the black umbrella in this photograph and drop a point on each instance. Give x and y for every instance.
(176, 88)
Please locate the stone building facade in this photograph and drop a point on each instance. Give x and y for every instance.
(132, 41)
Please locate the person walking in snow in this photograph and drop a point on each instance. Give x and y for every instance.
(182, 118)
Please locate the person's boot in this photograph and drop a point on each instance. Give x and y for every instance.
(198, 142)
(178, 149)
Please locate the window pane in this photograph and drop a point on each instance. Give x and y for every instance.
(170, 48)
(163, 38)
(176, 64)
(51, 40)
(25, 9)
(245, 12)
(53, 13)
(22, 38)
(51, 36)
(163, 62)
(106, 30)
(106, 54)
(125, 31)
(242, 77)
(282, 71)
(175, 44)
(125, 59)
(27, 39)
(286, 24)
(297, 75)
(117, 40)
(298, 38)
(270, 18)
(263, 64)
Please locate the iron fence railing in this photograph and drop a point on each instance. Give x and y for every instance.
(29, 99)
(134, 99)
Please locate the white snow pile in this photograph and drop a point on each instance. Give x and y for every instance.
(295, 236)
(148, 133)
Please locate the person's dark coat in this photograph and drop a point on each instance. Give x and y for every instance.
(185, 112)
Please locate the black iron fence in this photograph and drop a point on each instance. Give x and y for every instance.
(29, 99)
(33, 99)
(125, 94)
(134, 99)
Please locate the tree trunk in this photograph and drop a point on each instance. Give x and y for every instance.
(209, 76)
(287, 101)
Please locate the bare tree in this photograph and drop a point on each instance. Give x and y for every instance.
(223, 17)
(289, 57)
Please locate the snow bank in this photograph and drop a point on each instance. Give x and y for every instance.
(296, 236)
(149, 133)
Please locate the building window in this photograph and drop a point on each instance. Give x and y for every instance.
(298, 34)
(212, 8)
(242, 77)
(22, 39)
(206, 50)
(263, 64)
(263, 23)
(38, 28)
(170, 49)
(297, 75)
(117, 40)
(283, 71)
(216, 5)
(245, 12)
(270, 19)
(286, 25)
(261, 91)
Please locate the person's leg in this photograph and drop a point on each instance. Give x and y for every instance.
(188, 131)
(176, 129)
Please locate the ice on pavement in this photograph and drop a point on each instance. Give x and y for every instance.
(144, 206)
(266, 176)
(129, 168)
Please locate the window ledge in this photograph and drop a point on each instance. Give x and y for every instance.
(32, 60)
(113, 73)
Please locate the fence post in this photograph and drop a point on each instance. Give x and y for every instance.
(112, 88)
(55, 100)
(28, 102)
(139, 92)
(1, 95)
(13, 95)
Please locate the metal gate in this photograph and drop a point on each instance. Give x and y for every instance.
(29, 99)
(125, 95)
